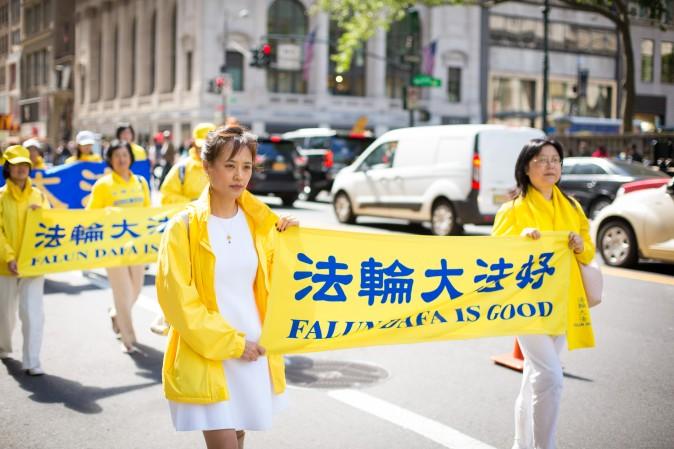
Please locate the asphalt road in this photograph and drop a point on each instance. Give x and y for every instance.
(439, 395)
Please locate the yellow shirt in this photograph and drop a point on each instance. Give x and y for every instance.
(39, 165)
(14, 204)
(200, 338)
(112, 190)
(83, 158)
(139, 153)
(175, 190)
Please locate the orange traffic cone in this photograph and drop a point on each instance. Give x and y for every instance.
(513, 361)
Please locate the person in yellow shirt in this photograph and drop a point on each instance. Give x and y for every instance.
(35, 148)
(25, 293)
(212, 284)
(126, 132)
(85, 141)
(541, 206)
(122, 188)
(187, 179)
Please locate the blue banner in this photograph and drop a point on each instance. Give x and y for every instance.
(69, 186)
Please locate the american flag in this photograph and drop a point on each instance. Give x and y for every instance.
(308, 54)
(428, 58)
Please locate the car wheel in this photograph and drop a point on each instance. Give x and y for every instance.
(597, 205)
(289, 200)
(443, 219)
(617, 244)
(343, 208)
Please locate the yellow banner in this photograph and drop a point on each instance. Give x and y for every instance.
(333, 290)
(58, 240)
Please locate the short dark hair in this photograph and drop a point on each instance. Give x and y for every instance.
(235, 137)
(5, 170)
(121, 127)
(114, 146)
(530, 150)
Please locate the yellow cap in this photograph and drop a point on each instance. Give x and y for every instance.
(17, 154)
(201, 132)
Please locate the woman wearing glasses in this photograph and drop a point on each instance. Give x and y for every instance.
(541, 206)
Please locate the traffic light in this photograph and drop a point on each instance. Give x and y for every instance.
(216, 85)
(261, 56)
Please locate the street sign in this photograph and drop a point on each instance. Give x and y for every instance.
(425, 81)
(289, 57)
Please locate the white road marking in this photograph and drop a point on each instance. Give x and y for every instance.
(426, 427)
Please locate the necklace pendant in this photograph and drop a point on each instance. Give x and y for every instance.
(229, 239)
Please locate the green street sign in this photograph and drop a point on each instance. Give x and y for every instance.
(425, 81)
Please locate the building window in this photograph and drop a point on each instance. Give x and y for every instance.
(188, 71)
(351, 82)
(153, 52)
(403, 53)
(235, 69)
(45, 67)
(4, 44)
(12, 76)
(3, 78)
(4, 15)
(16, 37)
(454, 84)
(514, 100)
(46, 14)
(132, 66)
(174, 49)
(15, 10)
(647, 60)
(287, 19)
(667, 62)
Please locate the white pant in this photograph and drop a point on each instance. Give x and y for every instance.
(26, 294)
(537, 406)
(126, 283)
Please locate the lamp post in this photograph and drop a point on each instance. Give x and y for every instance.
(546, 63)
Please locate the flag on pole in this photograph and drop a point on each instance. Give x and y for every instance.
(428, 58)
(308, 54)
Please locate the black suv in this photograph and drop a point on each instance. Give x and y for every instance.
(325, 156)
(278, 170)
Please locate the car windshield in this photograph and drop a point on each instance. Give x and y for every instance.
(347, 149)
(632, 169)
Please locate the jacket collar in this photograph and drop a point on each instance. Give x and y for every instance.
(259, 213)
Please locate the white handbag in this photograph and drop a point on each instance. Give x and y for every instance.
(593, 281)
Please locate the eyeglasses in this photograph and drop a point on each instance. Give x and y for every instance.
(541, 161)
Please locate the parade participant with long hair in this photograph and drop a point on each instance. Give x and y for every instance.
(85, 141)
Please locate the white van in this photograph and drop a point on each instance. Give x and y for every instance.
(449, 175)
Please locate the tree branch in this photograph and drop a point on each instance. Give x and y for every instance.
(588, 7)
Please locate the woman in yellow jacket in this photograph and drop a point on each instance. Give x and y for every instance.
(212, 284)
(16, 197)
(122, 188)
(85, 144)
(541, 206)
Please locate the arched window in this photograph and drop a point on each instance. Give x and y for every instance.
(351, 82)
(174, 43)
(134, 31)
(235, 69)
(403, 53)
(286, 26)
(153, 52)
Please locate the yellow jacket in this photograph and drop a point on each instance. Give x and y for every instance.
(112, 190)
(14, 204)
(83, 158)
(200, 338)
(39, 165)
(534, 211)
(185, 184)
(139, 153)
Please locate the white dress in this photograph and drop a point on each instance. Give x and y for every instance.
(251, 399)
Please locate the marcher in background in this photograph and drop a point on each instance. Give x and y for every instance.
(25, 293)
(187, 179)
(35, 148)
(213, 264)
(168, 156)
(184, 183)
(122, 188)
(600, 152)
(541, 206)
(85, 141)
(126, 133)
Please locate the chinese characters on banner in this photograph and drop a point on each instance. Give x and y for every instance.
(58, 240)
(334, 290)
